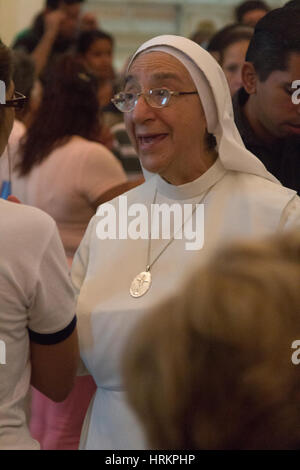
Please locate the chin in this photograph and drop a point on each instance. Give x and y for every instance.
(161, 171)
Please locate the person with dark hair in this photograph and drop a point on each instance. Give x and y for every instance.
(265, 114)
(95, 49)
(229, 47)
(251, 11)
(65, 134)
(62, 169)
(37, 308)
(53, 33)
(24, 79)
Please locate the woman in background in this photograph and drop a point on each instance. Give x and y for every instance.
(229, 47)
(61, 167)
(95, 51)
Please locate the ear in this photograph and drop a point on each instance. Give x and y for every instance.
(249, 78)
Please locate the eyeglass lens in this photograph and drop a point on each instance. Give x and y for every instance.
(156, 98)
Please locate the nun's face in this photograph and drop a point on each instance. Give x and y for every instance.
(170, 141)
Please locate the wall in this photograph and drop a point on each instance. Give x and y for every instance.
(16, 15)
(133, 21)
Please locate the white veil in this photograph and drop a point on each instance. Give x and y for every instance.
(214, 93)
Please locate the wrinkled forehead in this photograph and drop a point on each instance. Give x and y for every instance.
(158, 67)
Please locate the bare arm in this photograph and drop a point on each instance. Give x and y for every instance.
(54, 367)
(41, 53)
(117, 191)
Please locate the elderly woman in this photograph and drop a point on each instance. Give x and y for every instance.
(178, 114)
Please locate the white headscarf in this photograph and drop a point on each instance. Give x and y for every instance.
(214, 93)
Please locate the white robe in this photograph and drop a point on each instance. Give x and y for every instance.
(238, 205)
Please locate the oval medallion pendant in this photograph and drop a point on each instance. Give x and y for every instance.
(140, 284)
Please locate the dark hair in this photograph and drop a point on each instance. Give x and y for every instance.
(6, 67)
(23, 72)
(87, 38)
(54, 4)
(276, 35)
(227, 36)
(23, 77)
(69, 107)
(247, 6)
(292, 4)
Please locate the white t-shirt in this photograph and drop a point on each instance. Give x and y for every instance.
(36, 302)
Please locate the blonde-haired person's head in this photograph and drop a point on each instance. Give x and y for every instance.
(212, 368)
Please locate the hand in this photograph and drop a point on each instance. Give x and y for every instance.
(53, 21)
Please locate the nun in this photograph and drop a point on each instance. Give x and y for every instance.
(178, 114)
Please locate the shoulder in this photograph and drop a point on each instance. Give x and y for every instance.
(257, 195)
(263, 185)
(25, 226)
(84, 148)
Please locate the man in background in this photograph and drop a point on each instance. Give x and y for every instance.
(53, 32)
(267, 116)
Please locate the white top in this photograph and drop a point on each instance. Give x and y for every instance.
(237, 205)
(35, 293)
(67, 184)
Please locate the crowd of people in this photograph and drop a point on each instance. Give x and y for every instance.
(121, 342)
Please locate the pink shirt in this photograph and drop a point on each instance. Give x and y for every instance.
(67, 184)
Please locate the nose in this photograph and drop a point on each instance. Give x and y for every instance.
(142, 111)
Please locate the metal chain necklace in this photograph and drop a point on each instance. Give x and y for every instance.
(142, 282)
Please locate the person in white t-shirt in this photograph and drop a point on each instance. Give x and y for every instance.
(38, 335)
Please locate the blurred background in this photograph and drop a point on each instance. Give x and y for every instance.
(131, 22)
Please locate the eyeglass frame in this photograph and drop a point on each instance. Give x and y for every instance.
(146, 95)
(18, 102)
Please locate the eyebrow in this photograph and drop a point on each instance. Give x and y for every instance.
(157, 76)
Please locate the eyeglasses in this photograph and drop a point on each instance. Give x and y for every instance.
(157, 98)
(18, 101)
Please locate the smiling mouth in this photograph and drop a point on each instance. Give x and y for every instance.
(150, 139)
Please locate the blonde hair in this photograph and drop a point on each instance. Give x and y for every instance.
(212, 369)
